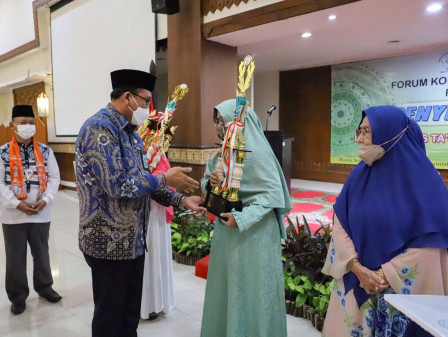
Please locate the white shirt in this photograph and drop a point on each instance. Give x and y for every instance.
(9, 213)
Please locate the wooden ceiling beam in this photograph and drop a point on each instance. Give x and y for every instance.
(270, 13)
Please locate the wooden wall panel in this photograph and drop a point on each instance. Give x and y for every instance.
(209, 69)
(305, 105)
(218, 82)
(65, 163)
(184, 66)
(6, 134)
(28, 96)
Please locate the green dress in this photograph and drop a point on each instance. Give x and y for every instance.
(245, 287)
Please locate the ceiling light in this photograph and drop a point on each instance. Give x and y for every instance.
(434, 8)
(332, 17)
(306, 35)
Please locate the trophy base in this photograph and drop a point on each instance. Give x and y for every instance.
(216, 205)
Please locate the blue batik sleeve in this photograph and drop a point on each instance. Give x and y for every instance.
(104, 157)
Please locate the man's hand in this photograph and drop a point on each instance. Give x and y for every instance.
(26, 208)
(231, 222)
(39, 205)
(193, 202)
(214, 179)
(176, 177)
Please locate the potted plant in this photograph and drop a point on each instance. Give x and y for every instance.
(191, 236)
(307, 290)
(320, 303)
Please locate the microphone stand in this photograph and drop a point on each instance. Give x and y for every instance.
(267, 120)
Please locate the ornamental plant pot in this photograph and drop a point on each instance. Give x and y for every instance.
(315, 319)
(308, 312)
(320, 323)
(288, 306)
(298, 312)
(187, 260)
(305, 311)
(293, 305)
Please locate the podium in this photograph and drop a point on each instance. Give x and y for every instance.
(282, 151)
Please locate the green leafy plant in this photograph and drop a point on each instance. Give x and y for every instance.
(191, 234)
(321, 301)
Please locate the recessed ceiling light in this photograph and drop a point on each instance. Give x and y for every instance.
(434, 8)
(306, 35)
(332, 17)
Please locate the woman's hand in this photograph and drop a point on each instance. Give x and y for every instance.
(368, 279)
(214, 179)
(231, 222)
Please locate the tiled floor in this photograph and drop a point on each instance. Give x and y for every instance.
(72, 316)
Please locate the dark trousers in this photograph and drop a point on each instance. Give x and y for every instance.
(117, 294)
(16, 239)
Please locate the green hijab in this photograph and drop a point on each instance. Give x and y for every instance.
(263, 182)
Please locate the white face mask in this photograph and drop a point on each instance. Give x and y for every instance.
(26, 131)
(139, 115)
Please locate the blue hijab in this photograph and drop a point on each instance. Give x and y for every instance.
(397, 203)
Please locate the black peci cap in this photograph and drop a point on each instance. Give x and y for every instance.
(132, 78)
(22, 111)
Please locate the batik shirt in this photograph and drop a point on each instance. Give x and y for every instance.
(115, 186)
(9, 214)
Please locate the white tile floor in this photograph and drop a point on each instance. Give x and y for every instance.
(72, 316)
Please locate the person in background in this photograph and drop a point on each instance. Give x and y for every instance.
(115, 187)
(158, 285)
(390, 231)
(29, 180)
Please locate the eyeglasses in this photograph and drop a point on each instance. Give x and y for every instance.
(147, 100)
(364, 131)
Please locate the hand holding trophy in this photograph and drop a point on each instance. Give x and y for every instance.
(157, 135)
(229, 169)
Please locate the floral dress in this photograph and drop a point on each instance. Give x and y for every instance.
(422, 271)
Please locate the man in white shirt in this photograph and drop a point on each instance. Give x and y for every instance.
(29, 180)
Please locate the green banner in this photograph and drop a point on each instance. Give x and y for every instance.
(417, 83)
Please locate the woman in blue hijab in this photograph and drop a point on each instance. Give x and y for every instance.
(245, 293)
(390, 231)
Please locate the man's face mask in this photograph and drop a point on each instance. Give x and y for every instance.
(139, 115)
(26, 131)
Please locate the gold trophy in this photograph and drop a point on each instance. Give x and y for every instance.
(224, 197)
(155, 131)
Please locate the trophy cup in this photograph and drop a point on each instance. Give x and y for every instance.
(155, 131)
(224, 197)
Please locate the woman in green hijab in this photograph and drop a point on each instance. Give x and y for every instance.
(245, 288)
